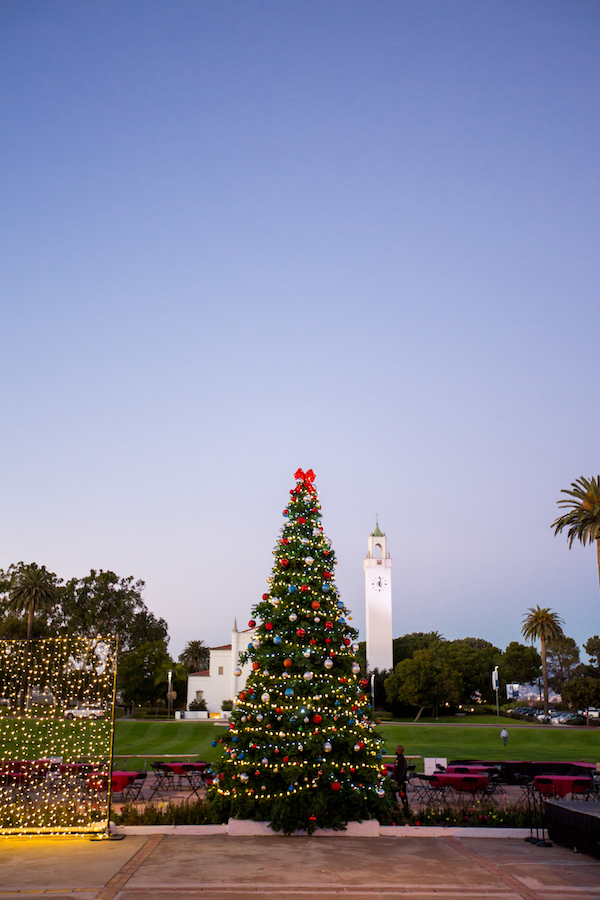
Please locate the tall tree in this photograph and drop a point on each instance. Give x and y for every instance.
(542, 625)
(428, 678)
(103, 603)
(195, 655)
(32, 589)
(583, 518)
(582, 692)
(520, 664)
(300, 750)
(592, 648)
(405, 646)
(562, 659)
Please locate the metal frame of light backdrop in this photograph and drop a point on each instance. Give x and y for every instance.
(55, 769)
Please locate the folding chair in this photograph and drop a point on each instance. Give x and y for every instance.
(545, 786)
(134, 790)
(164, 780)
(469, 785)
(581, 788)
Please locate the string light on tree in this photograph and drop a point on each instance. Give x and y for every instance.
(301, 751)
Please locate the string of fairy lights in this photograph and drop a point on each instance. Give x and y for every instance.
(56, 730)
(303, 715)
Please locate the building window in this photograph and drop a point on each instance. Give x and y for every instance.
(198, 695)
(220, 670)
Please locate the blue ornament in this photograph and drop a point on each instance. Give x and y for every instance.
(250, 647)
(292, 589)
(337, 703)
(291, 789)
(379, 756)
(340, 604)
(289, 692)
(350, 721)
(234, 739)
(213, 743)
(342, 620)
(276, 639)
(325, 587)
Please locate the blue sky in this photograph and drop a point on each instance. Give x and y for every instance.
(238, 238)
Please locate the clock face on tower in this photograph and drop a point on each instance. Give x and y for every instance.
(379, 583)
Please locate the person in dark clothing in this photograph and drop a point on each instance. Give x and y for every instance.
(400, 776)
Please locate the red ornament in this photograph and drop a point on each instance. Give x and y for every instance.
(301, 632)
(287, 663)
(284, 541)
(252, 623)
(269, 626)
(286, 759)
(336, 786)
(312, 818)
(279, 710)
(347, 641)
(265, 596)
(304, 588)
(342, 680)
(285, 562)
(242, 696)
(313, 641)
(326, 575)
(327, 640)
(315, 604)
(328, 624)
(314, 509)
(301, 520)
(255, 666)
(317, 719)
(276, 750)
(325, 552)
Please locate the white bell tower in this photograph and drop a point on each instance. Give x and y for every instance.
(378, 593)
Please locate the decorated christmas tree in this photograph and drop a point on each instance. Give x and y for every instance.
(301, 751)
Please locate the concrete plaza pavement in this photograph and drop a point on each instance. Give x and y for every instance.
(222, 867)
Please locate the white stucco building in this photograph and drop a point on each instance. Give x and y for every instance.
(219, 682)
(378, 597)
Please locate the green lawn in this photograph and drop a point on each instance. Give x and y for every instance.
(473, 742)
(160, 739)
(156, 739)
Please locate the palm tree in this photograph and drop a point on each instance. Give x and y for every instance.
(195, 655)
(543, 625)
(33, 589)
(583, 518)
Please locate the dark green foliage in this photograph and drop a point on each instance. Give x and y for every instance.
(583, 691)
(427, 679)
(562, 659)
(405, 646)
(104, 603)
(520, 664)
(137, 673)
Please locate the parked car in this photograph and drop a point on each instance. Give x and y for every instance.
(87, 711)
(568, 718)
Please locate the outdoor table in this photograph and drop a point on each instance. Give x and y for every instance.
(189, 771)
(561, 784)
(468, 770)
(120, 780)
(446, 780)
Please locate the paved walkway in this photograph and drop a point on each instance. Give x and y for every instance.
(219, 867)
